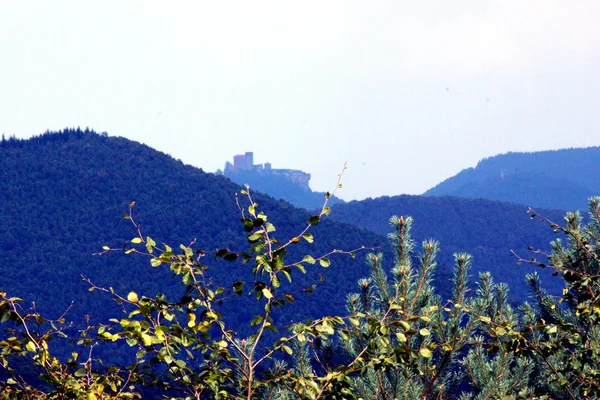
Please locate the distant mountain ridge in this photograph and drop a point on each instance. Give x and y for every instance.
(556, 179)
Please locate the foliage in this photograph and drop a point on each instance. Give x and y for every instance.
(562, 333)
(398, 338)
(488, 230)
(61, 199)
(185, 346)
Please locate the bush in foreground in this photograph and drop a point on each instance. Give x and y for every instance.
(398, 338)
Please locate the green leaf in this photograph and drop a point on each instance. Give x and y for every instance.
(308, 259)
(150, 244)
(550, 329)
(287, 349)
(155, 262)
(30, 346)
(425, 352)
(237, 287)
(325, 262)
(136, 240)
(401, 337)
(267, 293)
(80, 372)
(275, 282)
(168, 315)
(447, 347)
(270, 227)
(105, 248)
(147, 339)
(300, 267)
(308, 237)
(424, 332)
(314, 220)
(289, 298)
(132, 297)
(255, 236)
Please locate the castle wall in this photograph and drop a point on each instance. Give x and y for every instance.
(245, 163)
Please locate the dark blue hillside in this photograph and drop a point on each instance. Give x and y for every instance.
(489, 230)
(559, 179)
(62, 196)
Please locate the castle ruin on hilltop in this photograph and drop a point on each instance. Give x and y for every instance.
(244, 163)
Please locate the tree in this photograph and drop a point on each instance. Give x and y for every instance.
(399, 339)
(184, 346)
(562, 333)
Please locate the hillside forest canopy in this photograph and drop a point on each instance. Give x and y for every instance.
(396, 337)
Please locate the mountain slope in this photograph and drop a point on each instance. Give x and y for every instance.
(486, 229)
(62, 196)
(560, 179)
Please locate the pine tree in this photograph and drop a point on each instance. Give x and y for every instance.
(562, 334)
(411, 344)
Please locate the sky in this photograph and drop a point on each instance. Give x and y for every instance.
(407, 93)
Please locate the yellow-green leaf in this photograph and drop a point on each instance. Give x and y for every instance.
(425, 352)
(132, 297)
(147, 339)
(30, 346)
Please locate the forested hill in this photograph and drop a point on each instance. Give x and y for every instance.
(560, 179)
(62, 197)
(486, 229)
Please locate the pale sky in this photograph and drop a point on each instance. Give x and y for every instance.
(408, 93)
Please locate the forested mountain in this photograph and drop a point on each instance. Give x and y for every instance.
(62, 197)
(486, 229)
(559, 179)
